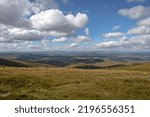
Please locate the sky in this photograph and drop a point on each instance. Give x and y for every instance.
(74, 25)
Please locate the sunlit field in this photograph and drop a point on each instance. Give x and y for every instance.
(125, 82)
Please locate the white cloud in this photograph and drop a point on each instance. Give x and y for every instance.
(140, 42)
(87, 31)
(25, 21)
(3, 32)
(48, 20)
(13, 12)
(59, 34)
(33, 47)
(23, 34)
(3, 40)
(139, 1)
(116, 27)
(9, 46)
(45, 42)
(136, 12)
(82, 39)
(141, 30)
(46, 4)
(36, 6)
(9, 34)
(62, 39)
(109, 44)
(144, 22)
(112, 35)
(15, 25)
(77, 39)
(54, 20)
(74, 45)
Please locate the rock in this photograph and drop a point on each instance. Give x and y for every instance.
(4, 94)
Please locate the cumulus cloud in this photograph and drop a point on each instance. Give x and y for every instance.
(23, 34)
(3, 31)
(54, 20)
(59, 34)
(112, 35)
(140, 33)
(21, 22)
(13, 35)
(3, 40)
(136, 12)
(74, 45)
(82, 39)
(24, 21)
(36, 6)
(144, 22)
(141, 41)
(141, 30)
(9, 46)
(46, 4)
(139, 1)
(62, 39)
(13, 12)
(109, 44)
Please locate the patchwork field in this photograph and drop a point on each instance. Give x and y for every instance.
(122, 82)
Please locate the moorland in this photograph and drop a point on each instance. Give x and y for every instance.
(75, 75)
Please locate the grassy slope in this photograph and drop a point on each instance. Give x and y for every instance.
(11, 62)
(100, 65)
(145, 66)
(18, 63)
(132, 82)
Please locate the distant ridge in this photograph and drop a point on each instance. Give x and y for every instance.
(12, 63)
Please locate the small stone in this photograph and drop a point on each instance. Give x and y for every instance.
(5, 94)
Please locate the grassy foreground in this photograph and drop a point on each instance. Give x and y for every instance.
(64, 83)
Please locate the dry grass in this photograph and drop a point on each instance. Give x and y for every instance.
(62, 83)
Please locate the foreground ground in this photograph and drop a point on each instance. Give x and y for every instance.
(131, 82)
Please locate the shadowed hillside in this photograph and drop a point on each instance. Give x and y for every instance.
(12, 63)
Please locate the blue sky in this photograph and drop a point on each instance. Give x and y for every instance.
(103, 15)
(76, 25)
